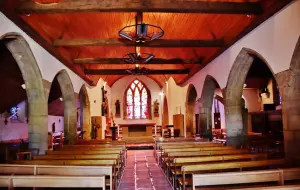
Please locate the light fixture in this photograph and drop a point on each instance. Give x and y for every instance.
(141, 33)
(245, 85)
(23, 86)
(61, 99)
(138, 71)
(138, 57)
(265, 93)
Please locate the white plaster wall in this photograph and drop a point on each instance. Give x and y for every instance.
(95, 97)
(252, 100)
(274, 40)
(117, 93)
(49, 65)
(59, 123)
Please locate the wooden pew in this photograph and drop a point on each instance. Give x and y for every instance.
(83, 152)
(166, 151)
(171, 155)
(52, 181)
(77, 157)
(94, 141)
(193, 145)
(66, 162)
(207, 153)
(198, 168)
(9, 169)
(285, 187)
(159, 152)
(179, 162)
(231, 178)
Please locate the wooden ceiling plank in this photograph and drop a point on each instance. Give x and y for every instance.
(125, 72)
(158, 43)
(121, 61)
(174, 6)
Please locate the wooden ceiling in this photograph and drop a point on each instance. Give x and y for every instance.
(195, 31)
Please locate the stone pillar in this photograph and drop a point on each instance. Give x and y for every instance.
(289, 86)
(205, 122)
(86, 125)
(37, 116)
(70, 119)
(234, 119)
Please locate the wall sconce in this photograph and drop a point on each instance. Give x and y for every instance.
(265, 93)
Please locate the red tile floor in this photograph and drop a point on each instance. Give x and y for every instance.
(143, 173)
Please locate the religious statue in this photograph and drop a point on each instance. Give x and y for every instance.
(118, 109)
(95, 128)
(104, 102)
(156, 108)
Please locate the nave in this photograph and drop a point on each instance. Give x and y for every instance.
(176, 163)
(143, 172)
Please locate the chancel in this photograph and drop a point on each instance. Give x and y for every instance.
(150, 94)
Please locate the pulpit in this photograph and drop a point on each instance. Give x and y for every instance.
(137, 130)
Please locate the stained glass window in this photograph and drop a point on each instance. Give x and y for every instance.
(137, 101)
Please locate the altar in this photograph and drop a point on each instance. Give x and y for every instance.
(137, 130)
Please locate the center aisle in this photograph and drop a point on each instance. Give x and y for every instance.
(143, 173)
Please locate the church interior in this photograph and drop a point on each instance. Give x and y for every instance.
(150, 94)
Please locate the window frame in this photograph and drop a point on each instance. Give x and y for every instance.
(148, 106)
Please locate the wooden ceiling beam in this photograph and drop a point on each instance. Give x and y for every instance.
(158, 43)
(121, 61)
(174, 6)
(125, 72)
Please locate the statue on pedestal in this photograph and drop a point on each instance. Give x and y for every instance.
(118, 109)
(156, 108)
(104, 102)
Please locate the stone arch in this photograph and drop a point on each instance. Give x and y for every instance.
(67, 90)
(205, 106)
(289, 86)
(38, 112)
(85, 113)
(165, 119)
(235, 132)
(190, 119)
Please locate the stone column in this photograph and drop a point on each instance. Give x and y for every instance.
(70, 119)
(289, 86)
(70, 122)
(86, 125)
(205, 121)
(234, 119)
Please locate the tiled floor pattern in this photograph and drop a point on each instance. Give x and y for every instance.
(143, 173)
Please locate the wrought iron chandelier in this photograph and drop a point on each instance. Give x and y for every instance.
(141, 33)
(138, 58)
(138, 71)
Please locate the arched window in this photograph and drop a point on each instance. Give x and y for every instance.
(137, 98)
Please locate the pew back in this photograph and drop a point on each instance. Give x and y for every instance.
(207, 153)
(279, 175)
(52, 181)
(230, 165)
(218, 158)
(76, 157)
(69, 152)
(66, 162)
(199, 149)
